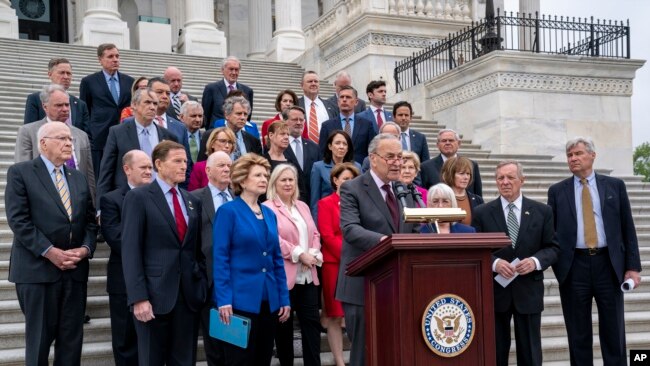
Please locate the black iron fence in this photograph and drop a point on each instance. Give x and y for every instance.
(531, 33)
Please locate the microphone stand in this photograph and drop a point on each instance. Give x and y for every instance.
(418, 198)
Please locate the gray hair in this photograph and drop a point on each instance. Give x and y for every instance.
(342, 74)
(228, 59)
(275, 174)
(46, 129)
(520, 168)
(48, 90)
(587, 141)
(372, 147)
(139, 93)
(229, 104)
(389, 123)
(190, 104)
(445, 130)
(445, 191)
(130, 156)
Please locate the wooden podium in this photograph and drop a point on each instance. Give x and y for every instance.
(404, 274)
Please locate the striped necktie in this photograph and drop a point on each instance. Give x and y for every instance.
(63, 191)
(176, 103)
(313, 123)
(513, 224)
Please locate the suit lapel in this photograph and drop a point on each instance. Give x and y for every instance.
(376, 197)
(101, 80)
(192, 215)
(527, 214)
(44, 176)
(124, 88)
(570, 192)
(498, 216)
(159, 199)
(132, 133)
(602, 188)
(73, 191)
(73, 109)
(284, 211)
(208, 203)
(291, 157)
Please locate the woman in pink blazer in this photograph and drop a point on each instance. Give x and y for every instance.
(300, 246)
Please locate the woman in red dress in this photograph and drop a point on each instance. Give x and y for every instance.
(332, 238)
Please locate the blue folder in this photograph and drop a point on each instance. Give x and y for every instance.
(235, 333)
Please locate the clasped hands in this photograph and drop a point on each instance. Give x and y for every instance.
(66, 259)
(507, 270)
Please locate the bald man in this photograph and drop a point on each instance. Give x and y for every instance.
(174, 77)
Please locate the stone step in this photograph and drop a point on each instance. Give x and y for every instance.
(96, 307)
(634, 301)
(96, 287)
(97, 268)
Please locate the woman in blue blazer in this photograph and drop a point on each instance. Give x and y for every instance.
(339, 150)
(439, 196)
(248, 267)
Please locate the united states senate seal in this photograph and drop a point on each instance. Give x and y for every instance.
(448, 325)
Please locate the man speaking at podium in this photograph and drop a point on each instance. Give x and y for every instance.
(370, 212)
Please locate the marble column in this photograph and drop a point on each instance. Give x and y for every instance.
(102, 23)
(176, 14)
(529, 7)
(8, 20)
(200, 35)
(288, 41)
(259, 27)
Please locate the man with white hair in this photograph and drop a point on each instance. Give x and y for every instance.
(191, 114)
(343, 78)
(215, 93)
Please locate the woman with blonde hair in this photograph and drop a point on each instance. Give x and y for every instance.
(221, 139)
(409, 171)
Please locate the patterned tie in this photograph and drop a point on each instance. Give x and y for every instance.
(176, 103)
(380, 121)
(194, 147)
(181, 225)
(588, 218)
(63, 191)
(404, 144)
(113, 88)
(393, 208)
(347, 128)
(513, 224)
(145, 144)
(231, 88)
(313, 123)
(224, 197)
(299, 156)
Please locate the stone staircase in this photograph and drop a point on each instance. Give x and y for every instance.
(23, 67)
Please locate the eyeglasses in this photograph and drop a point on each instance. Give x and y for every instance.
(225, 142)
(446, 141)
(60, 138)
(392, 159)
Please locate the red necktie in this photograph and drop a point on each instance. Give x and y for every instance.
(313, 123)
(181, 225)
(380, 121)
(391, 202)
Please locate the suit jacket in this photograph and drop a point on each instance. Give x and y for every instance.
(157, 265)
(214, 95)
(365, 219)
(367, 114)
(111, 219)
(617, 219)
(121, 139)
(310, 155)
(430, 173)
(362, 134)
(78, 111)
(535, 239)
(290, 237)
(170, 109)
(332, 112)
(26, 148)
(334, 100)
(247, 259)
(104, 112)
(38, 219)
(207, 223)
(419, 144)
(330, 229)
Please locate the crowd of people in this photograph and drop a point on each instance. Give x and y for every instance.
(203, 212)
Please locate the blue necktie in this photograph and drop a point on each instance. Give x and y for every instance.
(404, 144)
(113, 88)
(145, 144)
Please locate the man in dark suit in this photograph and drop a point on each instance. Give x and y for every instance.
(106, 93)
(370, 212)
(411, 140)
(137, 167)
(529, 224)
(599, 251)
(359, 129)
(376, 92)
(50, 212)
(174, 77)
(342, 79)
(317, 110)
(56, 104)
(448, 144)
(216, 193)
(192, 117)
(303, 153)
(215, 93)
(138, 134)
(164, 268)
(59, 72)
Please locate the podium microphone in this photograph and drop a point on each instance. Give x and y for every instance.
(402, 192)
(416, 195)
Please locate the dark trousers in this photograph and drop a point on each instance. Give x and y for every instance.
(528, 337)
(124, 338)
(304, 301)
(169, 339)
(53, 311)
(97, 159)
(212, 346)
(260, 340)
(355, 323)
(593, 277)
